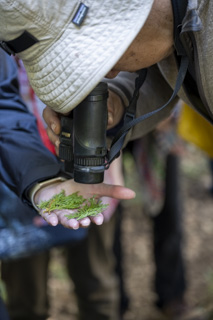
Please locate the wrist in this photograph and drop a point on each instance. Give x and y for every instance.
(36, 191)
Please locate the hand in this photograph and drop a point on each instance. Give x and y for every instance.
(52, 119)
(87, 191)
(114, 175)
(115, 109)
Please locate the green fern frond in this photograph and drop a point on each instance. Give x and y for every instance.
(84, 207)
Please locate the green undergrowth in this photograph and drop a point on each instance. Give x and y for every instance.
(83, 207)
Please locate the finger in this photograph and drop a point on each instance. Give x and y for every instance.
(110, 120)
(98, 219)
(101, 189)
(67, 222)
(51, 218)
(53, 138)
(52, 120)
(85, 222)
(113, 191)
(119, 192)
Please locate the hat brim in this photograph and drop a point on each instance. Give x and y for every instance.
(75, 63)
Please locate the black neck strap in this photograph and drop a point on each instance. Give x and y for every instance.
(118, 141)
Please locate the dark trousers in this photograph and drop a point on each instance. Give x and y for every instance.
(170, 281)
(26, 284)
(91, 265)
(169, 278)
(3, 311)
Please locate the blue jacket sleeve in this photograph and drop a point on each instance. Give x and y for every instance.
(24, 159)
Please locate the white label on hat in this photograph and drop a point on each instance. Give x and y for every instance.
(80, 14)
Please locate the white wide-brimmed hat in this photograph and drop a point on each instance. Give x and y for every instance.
(78, 42)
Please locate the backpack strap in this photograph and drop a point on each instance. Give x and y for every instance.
(179, 11)
(118, 140)
(190, 85)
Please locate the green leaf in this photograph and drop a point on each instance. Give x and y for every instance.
(60, 201)
(85, 207)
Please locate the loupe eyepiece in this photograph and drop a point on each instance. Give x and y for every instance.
(87, 145)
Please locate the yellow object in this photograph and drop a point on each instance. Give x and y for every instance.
(193, 128)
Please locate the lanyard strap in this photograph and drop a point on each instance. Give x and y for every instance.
(130, 121)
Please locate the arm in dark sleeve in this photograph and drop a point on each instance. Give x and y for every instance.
(154, 93)
(23, 158)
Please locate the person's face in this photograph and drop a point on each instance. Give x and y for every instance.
(142, 53)
(130, 61)
(153, 43)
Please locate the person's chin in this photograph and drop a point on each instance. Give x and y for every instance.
(112, 74)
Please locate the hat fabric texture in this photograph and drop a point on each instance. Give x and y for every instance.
(70, 60)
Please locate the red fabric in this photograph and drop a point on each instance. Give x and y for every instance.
(43, 133)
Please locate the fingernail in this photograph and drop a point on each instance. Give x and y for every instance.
(53, 221)
(110, 118)
(57, 143)
(74, 224)
(53, 127)
(99, 220)
(85, 223)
